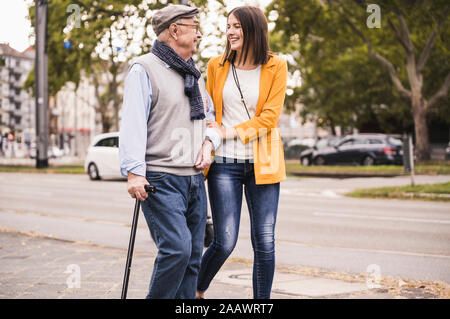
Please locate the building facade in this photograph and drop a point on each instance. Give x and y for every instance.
(71, 113)
(76, 117)
(17, 106)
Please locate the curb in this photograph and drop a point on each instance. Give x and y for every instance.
(340, 175)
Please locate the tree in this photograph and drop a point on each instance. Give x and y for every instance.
(95, 39)
(409, 45)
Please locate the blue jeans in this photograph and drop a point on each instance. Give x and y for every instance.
(176, 217)
(225, 188)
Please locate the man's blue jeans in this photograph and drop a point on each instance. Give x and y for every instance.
(226, 179)
(176, 217)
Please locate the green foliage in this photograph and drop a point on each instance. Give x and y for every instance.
(95, 21)
(341, 83)
(432, 192)
(63, 169)
(430, 168)
(104, 35)
(98, 19)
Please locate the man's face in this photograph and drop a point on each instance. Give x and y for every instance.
(188, 34)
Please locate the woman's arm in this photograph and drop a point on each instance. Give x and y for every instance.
(225, 132)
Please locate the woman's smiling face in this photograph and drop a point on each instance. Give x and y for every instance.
(234, 33)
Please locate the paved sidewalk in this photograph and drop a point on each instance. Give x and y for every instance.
(37, 267)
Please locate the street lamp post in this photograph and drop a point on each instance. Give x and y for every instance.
(41, 67)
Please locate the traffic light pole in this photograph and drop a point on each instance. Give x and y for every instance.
(41, 82)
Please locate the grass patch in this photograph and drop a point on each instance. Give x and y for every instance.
(376, 170)
(63, 169)
(432, 192)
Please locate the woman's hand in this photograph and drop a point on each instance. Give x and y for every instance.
(225, 132)
(213, 124)
(219, 129)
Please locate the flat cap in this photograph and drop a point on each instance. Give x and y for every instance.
(164, 17)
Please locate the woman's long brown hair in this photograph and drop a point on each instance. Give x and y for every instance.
(255, 31)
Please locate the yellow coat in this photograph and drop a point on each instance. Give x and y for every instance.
(262, 129)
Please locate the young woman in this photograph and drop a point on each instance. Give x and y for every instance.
(247, 85)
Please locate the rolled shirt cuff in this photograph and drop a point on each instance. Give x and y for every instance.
(139, 169)
(214, 136)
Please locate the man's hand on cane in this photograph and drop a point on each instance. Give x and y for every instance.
(136, 185)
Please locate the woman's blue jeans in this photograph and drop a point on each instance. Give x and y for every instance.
(227, 180)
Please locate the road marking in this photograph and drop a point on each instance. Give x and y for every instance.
(412, 220)
(301, 192)
(329, 193)
(83, 219)
(380, 251)
(26, 193)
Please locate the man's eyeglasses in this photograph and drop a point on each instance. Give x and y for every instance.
(196, 26)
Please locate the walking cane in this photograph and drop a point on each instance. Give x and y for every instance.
(148, 189)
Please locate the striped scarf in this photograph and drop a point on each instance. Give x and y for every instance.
(188, 71)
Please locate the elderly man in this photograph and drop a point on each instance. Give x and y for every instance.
(164, 141)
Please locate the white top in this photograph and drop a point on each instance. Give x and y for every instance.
(234, 111)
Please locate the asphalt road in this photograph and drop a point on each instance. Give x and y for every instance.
(316, 227)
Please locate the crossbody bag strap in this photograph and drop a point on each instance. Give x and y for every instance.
(236, 80)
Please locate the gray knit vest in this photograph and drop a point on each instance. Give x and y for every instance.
(173, 140)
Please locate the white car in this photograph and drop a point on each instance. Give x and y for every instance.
(102, 159)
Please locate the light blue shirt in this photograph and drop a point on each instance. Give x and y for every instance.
(137, 100)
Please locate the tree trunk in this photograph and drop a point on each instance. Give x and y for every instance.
(116, 102)
(332, 127)
(106, 123)
(419, 110)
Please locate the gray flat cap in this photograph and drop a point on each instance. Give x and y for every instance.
(163, 18)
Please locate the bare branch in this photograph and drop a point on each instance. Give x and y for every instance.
(398, 34)
(392, 72)
(426, 51)
(442, 92)
(430, 43)
(406, 37)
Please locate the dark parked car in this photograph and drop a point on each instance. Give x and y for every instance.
(294, 151)
(362, 149)
(306, 155)
(447, 152)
